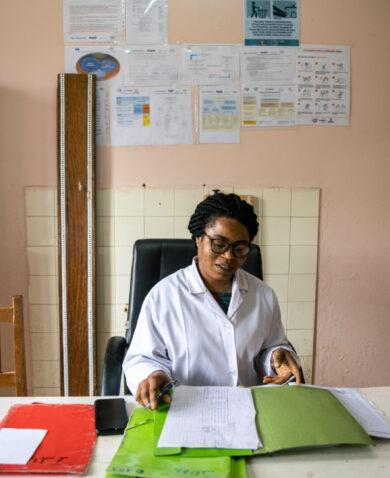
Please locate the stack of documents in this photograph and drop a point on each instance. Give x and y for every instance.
(212, 429)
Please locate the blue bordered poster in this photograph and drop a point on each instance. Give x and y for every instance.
(271, 22)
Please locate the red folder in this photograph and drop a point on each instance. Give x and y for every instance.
(68, 444)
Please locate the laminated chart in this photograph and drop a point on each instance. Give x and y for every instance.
(323, 74)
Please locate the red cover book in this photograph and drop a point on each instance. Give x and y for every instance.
(68, 444)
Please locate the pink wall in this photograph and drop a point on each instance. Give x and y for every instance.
(350, 164)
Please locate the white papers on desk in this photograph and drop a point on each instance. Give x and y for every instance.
(93, 21)
(146, 22)
(211, 417)
(17, 445)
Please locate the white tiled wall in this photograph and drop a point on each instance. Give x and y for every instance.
(41, 222)
(288, 239)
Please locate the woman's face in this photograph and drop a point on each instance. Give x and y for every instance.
(217, 270)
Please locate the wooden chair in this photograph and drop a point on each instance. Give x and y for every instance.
(14, 315)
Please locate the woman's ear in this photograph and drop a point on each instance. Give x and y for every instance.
(197, 240)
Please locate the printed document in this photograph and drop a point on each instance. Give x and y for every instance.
(93, 21)
(210, 64)
(211, 417)
(172, 116)
(323, 84)
(268, 86)
(146, 22)
(219, 115)
(152, 66)
(130, 116)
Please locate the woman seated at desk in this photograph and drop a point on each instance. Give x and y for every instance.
(211, 323)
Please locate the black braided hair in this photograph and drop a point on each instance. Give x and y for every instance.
(222, 205)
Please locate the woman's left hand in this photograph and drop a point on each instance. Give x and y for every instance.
(285, 367)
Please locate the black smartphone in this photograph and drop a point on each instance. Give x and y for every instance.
(110, 416)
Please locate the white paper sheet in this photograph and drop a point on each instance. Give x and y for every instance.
(323, 84)
(268, 64)
(211, 417)
(172, 116)
(219, 115)
(152, 66)
(370, 418)
(209, 64)
(17, 445)
(130, 116)
(146, 22)
(101, 127)
(269, 105)
(93, 21)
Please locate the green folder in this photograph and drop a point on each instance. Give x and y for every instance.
(287, 417)
(296, 417)
(135, 458)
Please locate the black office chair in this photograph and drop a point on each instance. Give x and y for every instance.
(153, 259)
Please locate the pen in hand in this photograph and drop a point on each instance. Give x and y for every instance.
(165, 390)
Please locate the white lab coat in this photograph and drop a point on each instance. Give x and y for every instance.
(183, 331)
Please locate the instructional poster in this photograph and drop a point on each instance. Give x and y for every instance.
(268, 86)
(269, 105)
(323, 87)
(219, 115)
(146, 22)
(210, 64)
(130, 116)
(172, 116)
(157, 66)
(93, 21)
(271, 22)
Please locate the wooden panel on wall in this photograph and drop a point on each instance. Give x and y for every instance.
(76, 99)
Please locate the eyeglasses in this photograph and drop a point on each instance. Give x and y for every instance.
(219, 246)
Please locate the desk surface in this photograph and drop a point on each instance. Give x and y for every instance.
(342, 461)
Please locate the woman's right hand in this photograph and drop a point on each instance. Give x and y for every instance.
(149, 388)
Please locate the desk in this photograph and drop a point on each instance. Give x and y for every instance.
(343, 462)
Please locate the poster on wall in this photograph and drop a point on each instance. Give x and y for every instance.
(269, 105)
(219, 115)
(93, 21)
(130, 116)
(106, 63)
(268, 89)
(172, 116)
(323, 85)
(103, 61)
(210, 64)
(146, 22)
(271, 22)
(151, 66)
